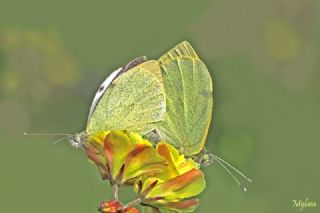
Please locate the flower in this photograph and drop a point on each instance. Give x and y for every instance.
(114, 206)
(122, 156)
(172, 188)
(164, 180)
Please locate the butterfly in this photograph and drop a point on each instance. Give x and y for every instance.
(168, 99)
(131, 98)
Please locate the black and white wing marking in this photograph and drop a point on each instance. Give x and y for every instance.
(111, 78)
(102, 89)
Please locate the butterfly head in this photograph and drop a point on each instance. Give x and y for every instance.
(78, 140)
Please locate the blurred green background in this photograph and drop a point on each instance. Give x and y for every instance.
(263, 56)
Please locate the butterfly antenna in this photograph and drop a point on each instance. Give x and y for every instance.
(61, 139)
(50, 134)
(46, 134)
(232, 167)
(235, 179)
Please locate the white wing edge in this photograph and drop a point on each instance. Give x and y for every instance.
(103, 87)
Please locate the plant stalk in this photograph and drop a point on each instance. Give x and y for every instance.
(115, 188)
(133, 203)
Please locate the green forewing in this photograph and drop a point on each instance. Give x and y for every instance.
(188, 89)
(134, 101)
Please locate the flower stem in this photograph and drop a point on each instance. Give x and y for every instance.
(132, 203)
(115, 188)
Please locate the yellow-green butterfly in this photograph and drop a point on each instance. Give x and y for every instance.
(131, 98)
(189, 104)
(188, 90)
(170, 98)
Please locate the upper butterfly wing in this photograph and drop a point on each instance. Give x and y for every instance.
(103, 87)
(188, 89)
(133, 101)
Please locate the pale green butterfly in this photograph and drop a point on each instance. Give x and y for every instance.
(189, 104)
(188, 89)
(131, 98)
(170, 97)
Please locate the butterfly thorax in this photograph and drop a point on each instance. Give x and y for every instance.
(78, 140)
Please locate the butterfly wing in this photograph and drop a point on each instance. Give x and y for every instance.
(188, 89)
(133, 100)
(103, 87)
